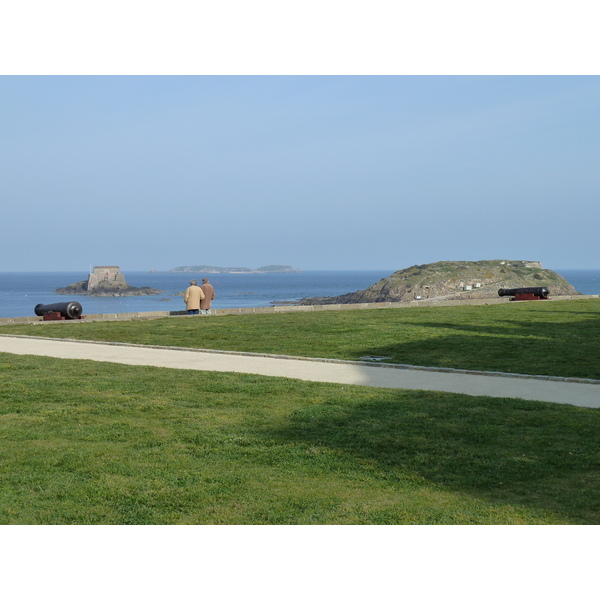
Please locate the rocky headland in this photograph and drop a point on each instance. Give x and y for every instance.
(455, 280)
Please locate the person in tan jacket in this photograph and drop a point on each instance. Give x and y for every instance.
(192, 298)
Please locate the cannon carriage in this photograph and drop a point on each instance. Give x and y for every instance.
(526, 293)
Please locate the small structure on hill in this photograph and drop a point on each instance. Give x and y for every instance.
(106, 281)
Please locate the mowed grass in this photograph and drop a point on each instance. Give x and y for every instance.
(560, 338)
(98, 443)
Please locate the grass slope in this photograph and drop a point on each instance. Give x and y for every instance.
(560, 338)
(91, 443)
(96, 443)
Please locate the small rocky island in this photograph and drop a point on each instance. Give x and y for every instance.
(210, 269)
(106, 281)
(455, 280)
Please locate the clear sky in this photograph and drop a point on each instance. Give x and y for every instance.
(317, 172)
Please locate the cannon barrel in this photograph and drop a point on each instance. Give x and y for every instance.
(69, 310)
(542, 292)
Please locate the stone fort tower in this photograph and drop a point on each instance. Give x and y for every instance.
(105, 274)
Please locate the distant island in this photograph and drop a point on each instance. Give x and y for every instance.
(455, 280)
(212, 269)
(106, 281)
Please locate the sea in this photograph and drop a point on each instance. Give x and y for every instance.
(21, 292)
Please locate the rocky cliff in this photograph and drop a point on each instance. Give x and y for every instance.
(455, 280)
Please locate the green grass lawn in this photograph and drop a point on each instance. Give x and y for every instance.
(97, 443)
(560, 338)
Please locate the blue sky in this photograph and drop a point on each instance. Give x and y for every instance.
(318, 172)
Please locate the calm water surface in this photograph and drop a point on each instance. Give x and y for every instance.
(20, 292)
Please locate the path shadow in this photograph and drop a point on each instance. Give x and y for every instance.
(587, 327)
(508, 451)
(537, 348)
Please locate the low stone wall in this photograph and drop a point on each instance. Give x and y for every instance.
(105, 317)
(217, 312)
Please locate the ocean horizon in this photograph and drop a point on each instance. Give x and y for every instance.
(20, 292)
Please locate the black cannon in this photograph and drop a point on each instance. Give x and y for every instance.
(58, 311)
(526, 293)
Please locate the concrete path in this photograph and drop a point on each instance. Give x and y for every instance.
(577, 392)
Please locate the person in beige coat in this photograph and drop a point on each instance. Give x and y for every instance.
(192, 298)
(209, 296)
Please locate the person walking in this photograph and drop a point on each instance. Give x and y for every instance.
(192, 298)
(209, 296)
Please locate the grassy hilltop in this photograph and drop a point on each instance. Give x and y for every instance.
(541, 337)
(84, 442)
(447, 280)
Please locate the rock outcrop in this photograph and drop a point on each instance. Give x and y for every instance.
(455, 280)
(106, 281)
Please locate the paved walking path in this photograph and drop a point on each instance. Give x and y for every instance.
(550, 389)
